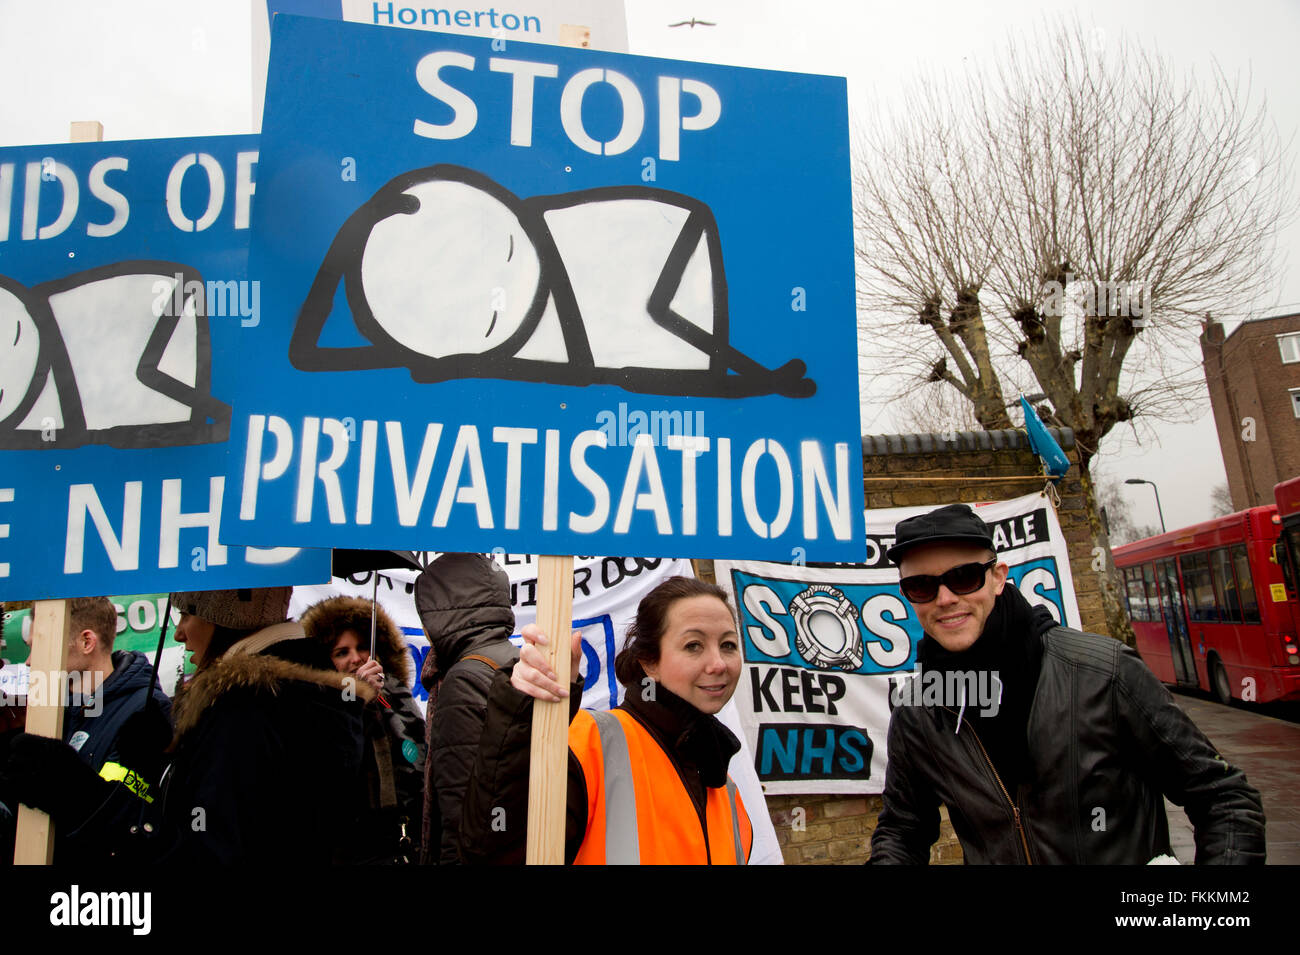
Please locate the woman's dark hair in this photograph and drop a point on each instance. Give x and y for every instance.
(641, 645)
(223, 638)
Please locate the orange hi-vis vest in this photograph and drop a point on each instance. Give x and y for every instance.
(639, 810)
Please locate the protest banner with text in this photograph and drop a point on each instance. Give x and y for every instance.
(124, 300)
(827, 648)
(547, 299)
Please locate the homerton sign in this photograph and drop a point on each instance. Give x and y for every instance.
(602, 23)
(123, 295)
(591, 24)
(527, 298)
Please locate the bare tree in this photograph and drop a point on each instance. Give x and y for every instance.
(1060, 222)
(1220, 501)
(934, 407)
(1117, 508)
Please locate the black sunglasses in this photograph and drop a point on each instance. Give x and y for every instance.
(962, 579)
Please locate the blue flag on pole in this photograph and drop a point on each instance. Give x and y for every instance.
(1043, 444)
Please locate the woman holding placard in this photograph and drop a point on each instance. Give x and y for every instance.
(647, 780)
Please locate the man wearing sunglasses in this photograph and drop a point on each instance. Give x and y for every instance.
(1046, 744)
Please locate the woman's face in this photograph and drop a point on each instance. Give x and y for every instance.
(196, 634)
(699, 653)
(346, 656)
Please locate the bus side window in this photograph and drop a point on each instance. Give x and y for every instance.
(1154, 611)
(1133, 595)
(1245, 585)
(1225, 585)
(1282, 552)
(1291, 540)
(1199, 588)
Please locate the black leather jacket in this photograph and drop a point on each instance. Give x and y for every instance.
(1106, 740)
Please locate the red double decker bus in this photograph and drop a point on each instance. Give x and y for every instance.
(1215, 605)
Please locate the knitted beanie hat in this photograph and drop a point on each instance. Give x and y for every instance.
(249, 609)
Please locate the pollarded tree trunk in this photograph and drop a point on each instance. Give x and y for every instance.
(1109, 579)
(965, 339)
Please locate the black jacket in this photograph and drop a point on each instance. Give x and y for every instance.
(496, 796)
(464, 605)
(266, 763)
(1105, 742)
(392, 799)
(91, 725)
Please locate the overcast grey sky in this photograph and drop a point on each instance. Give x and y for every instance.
(154, 68)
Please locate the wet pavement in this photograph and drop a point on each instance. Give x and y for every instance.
(1268, 751)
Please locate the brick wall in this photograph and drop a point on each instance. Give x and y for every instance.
(919, 470)
(1250, 393)
(836, 830)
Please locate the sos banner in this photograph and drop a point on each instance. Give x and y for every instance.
(826, 646)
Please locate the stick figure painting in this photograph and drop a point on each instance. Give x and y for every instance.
(93, 359)
(450, 275)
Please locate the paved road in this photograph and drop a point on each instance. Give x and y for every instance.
(1268, 750)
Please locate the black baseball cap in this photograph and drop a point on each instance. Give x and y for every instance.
(954, 523)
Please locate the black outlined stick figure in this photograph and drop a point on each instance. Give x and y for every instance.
(92, 359)
(450, 275)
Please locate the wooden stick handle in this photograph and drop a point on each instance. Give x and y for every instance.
(47, 663)
(549, 758)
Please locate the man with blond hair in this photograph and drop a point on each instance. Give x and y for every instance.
(107, 688)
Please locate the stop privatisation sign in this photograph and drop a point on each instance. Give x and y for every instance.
(529, 298)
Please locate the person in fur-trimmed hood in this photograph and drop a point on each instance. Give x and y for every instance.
(395, 747)
(266, 758)
(464, 605)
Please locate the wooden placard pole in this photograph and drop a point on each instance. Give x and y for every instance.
(47, 664)
(548, 772)
(51, 622)
(549, 758)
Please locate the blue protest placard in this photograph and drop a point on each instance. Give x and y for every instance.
(123, 292)
(541, 299)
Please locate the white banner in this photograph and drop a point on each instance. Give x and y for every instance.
(824, 644)
(606, 592)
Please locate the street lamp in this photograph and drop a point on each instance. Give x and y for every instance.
(1157, 490)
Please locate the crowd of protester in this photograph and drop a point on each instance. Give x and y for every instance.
(302, 741)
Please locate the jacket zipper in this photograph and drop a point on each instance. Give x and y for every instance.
(1015, 809)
